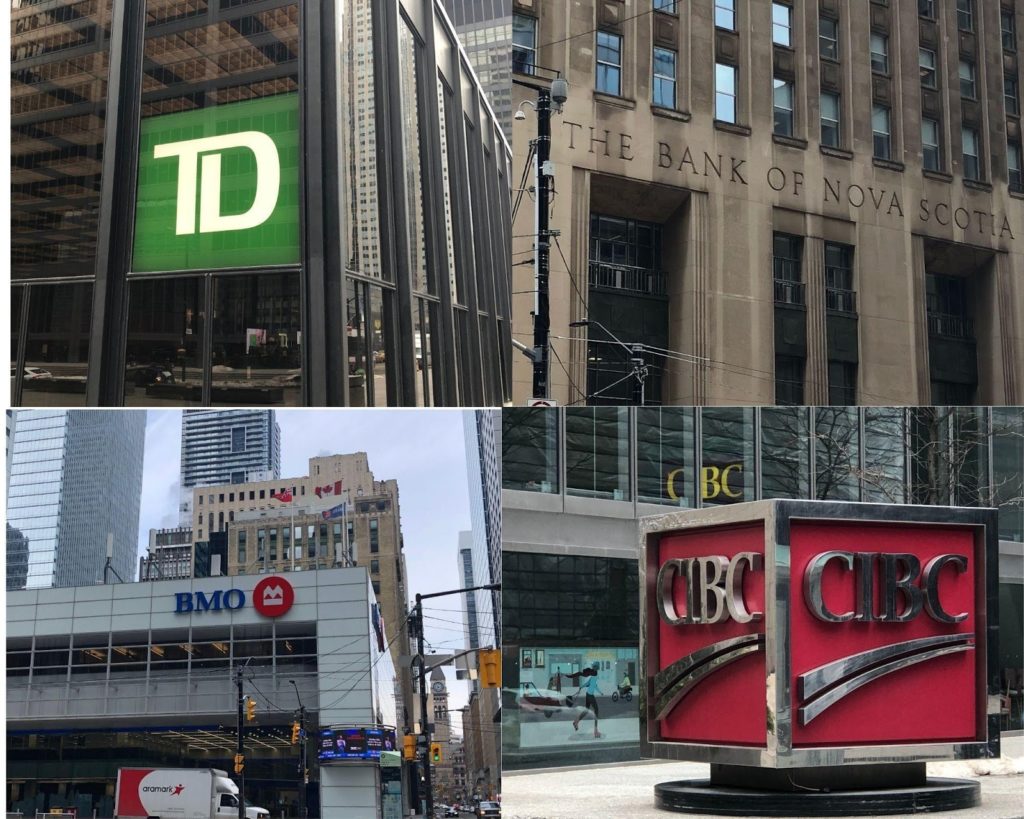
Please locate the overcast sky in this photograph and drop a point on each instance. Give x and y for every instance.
(424, 450)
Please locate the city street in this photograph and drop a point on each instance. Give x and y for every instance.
(627, 789)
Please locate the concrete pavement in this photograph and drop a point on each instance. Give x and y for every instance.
(627, 789)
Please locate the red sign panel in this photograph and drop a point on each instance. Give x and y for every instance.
(904, 667)
(728, 704)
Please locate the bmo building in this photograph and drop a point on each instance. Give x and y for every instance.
(144, 675)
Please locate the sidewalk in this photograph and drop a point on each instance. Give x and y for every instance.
(627, 789)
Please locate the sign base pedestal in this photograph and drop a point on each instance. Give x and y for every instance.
(703, 796)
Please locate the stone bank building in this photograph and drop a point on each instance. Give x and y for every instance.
(801, 201)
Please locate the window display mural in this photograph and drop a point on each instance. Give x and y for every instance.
(577, 696)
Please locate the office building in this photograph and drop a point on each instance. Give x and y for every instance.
(779, 202)
(577, 479)
(138, 679)
(73, 497)
(169, 556)
(343, 242)
(483, 443)
(470, 617)
(226, 446)
(485, 31)
(337, 515)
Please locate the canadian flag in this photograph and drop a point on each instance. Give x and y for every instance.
(329, 489)
(282, 496)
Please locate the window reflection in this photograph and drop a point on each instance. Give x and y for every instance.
(57, 346)
(380, 318)
(408, 69)
(256, 353)
(785, 452)
(17, 297)
(665, 459)
(727, 455)
(837, 453)
(358, 95)
(58, 109)
(165, 329)
(424, 313)
(529, 449)
(885, 455)
(597, 452)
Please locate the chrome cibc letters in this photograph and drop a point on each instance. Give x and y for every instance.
(899, 572)
(714, 589)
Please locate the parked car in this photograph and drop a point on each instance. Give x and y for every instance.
(153, 374)
(488, 809)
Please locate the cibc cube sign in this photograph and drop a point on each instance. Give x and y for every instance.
(790, 634)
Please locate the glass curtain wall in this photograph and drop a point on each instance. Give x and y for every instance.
(59, 68)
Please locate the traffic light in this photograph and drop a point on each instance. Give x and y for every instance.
(409, 746)
(295, 733)
(250, 709)
(435, 752)
(239, 763)
(490, 667)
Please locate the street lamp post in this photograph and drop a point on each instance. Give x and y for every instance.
(303, 772)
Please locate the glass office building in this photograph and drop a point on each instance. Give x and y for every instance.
(249, 202)
(576, 480)
(59, 514)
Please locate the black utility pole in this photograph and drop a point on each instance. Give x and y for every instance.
(303, 772)
(423, 707)
(423, 683)
(241, 749)
(542, 318)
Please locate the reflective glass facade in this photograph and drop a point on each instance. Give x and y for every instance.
(59, 515)
(271, 204)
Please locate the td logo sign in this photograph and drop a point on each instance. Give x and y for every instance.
(219, 187)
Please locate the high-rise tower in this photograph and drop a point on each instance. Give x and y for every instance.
(75, 482)
(225, 447)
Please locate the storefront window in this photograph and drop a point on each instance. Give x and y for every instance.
(165, 328)
(785, 452)
(529, 449)
(665, 456)
(57, 345)
(256, 330)
(597, 452)
(727, 455)
(837, 453)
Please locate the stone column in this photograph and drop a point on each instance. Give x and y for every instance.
(816, 370)
(1007, 331)
(579, 262)
(919, 295)
(695, 295)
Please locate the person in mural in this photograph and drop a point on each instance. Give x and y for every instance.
(588, 686)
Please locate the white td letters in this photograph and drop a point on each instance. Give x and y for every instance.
(268, 181)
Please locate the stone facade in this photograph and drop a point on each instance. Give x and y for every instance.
(929, 307)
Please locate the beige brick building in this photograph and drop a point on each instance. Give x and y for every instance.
(800, 201)
(266, 535)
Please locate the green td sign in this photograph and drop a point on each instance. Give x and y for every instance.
(219, 187)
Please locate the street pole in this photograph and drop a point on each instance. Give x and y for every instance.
(241, 750)
(303, 773)
(423, 707)
(541, 318)
(637, 362)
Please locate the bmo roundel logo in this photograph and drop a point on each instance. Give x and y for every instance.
(273, 596)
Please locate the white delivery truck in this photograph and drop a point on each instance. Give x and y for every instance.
(178, 793)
